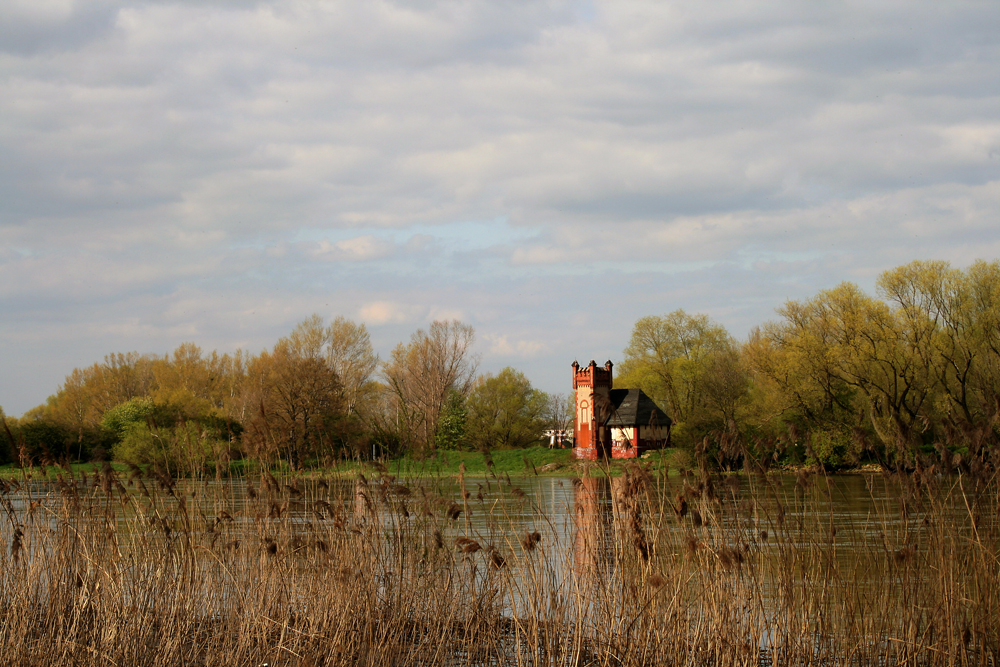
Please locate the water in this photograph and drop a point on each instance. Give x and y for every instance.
(766, 556)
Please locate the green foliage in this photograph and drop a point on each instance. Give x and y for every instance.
(832, 449)
(184, 448)
(451, 433)
(140, 444)
(121, 418)
(348, 438)
(913, 373)
(506, 412)
(689, 366)
(44, 439)
(8, 428)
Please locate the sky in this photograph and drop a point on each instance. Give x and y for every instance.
(548, 172)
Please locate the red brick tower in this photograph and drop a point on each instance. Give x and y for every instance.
(592, 391)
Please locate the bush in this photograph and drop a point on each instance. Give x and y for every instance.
(451, 432)
(833, 449)
(123, 416)
(186, 448)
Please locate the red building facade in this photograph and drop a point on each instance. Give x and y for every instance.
(614, 423)
(592, 390)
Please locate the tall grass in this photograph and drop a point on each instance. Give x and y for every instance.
(696, 569)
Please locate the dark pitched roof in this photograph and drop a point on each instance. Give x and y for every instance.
(631, 407)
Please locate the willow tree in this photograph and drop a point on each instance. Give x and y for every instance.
(914, 368)
(690, 366)
(952, 319)
(862, 358)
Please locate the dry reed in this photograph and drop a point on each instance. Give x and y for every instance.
(106, 570)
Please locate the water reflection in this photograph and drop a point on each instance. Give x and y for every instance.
(592, 512)
(815, 567)
(586, 525)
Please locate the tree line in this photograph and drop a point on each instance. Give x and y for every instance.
(907, 375)
(321, 394)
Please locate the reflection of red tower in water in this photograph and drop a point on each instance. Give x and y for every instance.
(588, 493)
(592, 391)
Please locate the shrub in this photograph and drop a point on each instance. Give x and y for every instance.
(833, 449)
(182, 448)
(121, 417)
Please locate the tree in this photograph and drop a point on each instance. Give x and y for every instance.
(452, 431)
(122, 376)
(193, 385)
(668, 358)
(75, 405)
(423, 372)
(299, 403)
(725, 384)
(187, 446)
(346, 348)
(505, 411)
(133, 411)
(560, 412)
(295, 399)
(350, 354)
(8, 437)
(851, 365)
(951, 322)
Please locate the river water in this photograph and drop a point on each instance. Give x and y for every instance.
(846, 555)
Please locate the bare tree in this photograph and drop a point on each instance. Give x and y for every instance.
(345, 347)
(349, 352)
(560, 412)
(422, 373)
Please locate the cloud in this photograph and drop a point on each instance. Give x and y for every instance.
(387, 312)
(445, 313)
(357, 249)
(501, 346)
(548, 171)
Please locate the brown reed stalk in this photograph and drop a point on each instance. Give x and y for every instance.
(761, 569)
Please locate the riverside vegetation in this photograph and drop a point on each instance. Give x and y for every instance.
(841, 379)
(647, 569)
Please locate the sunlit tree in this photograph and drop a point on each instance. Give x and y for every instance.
(298, 402)
(505, 411)
(670, 357)
(421, 374)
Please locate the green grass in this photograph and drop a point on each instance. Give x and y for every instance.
(512, 462)
(14, 471)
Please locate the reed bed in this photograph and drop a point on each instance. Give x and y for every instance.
(692, 569)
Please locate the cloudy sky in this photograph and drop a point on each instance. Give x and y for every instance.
(546, 171)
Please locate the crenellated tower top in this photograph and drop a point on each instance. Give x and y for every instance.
(592, 375)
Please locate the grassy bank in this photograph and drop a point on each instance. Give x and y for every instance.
(531, 461)
(513, 462)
